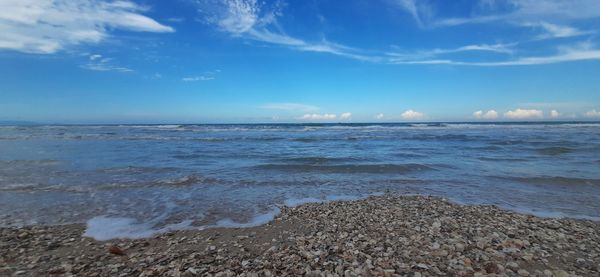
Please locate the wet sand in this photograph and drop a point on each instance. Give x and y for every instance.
(386, 235)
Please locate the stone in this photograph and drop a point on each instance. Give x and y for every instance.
(115, 250)
(523, 272)
(491, 268)
(512, 265)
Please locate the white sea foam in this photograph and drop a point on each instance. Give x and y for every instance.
(551, 214)
(107, 228)
(293, 202)
(253, 222)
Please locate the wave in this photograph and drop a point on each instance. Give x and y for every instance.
(502, 159)
(27, 163)
(188, 156)
(350, 168)
(446, 137)
(552, 180)
(555, 150)
(36, 187)
(508, 142)
(173, 182)
(136, 169)
(319, 160)
(317, 139)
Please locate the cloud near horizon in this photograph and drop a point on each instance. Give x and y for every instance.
(524, 114)
(593, 113)
(315, 116)
(412, 115)
(491, 114)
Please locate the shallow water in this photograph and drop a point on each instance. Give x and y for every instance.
(130, 181)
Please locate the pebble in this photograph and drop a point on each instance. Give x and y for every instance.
(387, 235)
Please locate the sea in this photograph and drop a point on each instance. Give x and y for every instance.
(132, 181)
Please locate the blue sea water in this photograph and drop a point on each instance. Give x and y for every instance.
(134, 181)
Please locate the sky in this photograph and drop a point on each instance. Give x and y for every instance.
(249, 61)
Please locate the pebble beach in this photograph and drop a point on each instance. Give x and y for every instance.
(387, 235)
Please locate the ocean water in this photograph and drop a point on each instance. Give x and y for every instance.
(134, 181)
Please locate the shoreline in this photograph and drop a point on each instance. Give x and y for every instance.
(381, 235)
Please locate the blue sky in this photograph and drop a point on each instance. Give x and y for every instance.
(209, 61)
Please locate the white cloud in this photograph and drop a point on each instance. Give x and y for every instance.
(253, 20)
(498, 48)
(524, 114)
(429, 55)
(580, 52)
(290, 107)
(99, 63)
(491, 114)
(48, 26)
(411, 7)
(176, 19)
(345, 115)
(259, 21)
(523, 11)
(315, 116)
(568, 54)
(593, 113)
(555, 9)
(412, 115)
(556, 31)
(379, 116)
(207, 76)
(95, 57)
(198, 78)
(554, 114)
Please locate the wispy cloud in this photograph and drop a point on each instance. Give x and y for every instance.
(555, 114)
(431, 56)
(577, 52)
(197, 78)
(523, 11)
(290, 107)
(253, 20)
(176, 19)
(206, 76)
(97, 62)
(379, 116)
(550, 17)
(413, 7)
(556, 31)
(346, 116)
(48, 26)
(259, 21)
